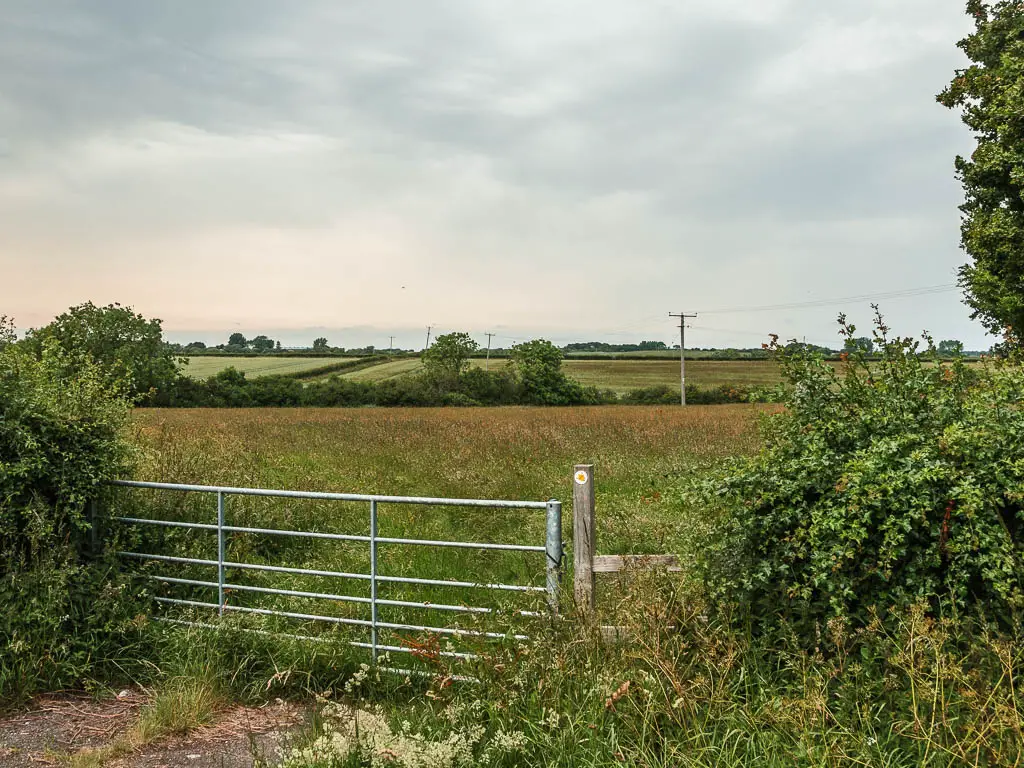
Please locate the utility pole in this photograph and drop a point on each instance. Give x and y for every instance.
(391, 345)
(487, 364)
(428, 339)
(682, 353)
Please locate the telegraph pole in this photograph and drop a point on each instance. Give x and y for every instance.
(428, 338)
(391, 344)
(683, 317)
(487, 364)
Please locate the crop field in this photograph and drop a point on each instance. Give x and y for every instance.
(204, 366)
(641, 454)
(385, 370)
(621, 375)
(624, 375)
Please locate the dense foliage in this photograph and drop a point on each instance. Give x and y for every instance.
(537, 368)
(447, 359)
(472, 387)
(125, 347)
(231, 388)
(882, 485)
(990, 94)
(61, 437)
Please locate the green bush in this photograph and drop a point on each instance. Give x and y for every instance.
(61, 438)
(661, 394)
(882, 485)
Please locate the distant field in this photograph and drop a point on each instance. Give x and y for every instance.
(620, 375)
(384, 371)
(205, 366)
(624, 375)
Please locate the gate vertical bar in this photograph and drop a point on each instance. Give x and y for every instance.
(220, 553)
(553, 549)
(373, 580)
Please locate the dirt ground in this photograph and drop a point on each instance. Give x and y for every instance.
(55, 727)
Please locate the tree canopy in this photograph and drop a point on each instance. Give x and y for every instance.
(990, 95)
(448, 357)
(122, 343)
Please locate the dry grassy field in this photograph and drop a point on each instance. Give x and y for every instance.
(641, 454)
(518, 453)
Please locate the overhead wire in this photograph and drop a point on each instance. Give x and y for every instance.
(902, 294)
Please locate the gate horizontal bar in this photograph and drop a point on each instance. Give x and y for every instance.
(443, 583)
(312, 638)
(450, 631)
(168, 523)
(340, 598)
(461, 544)
(338, 536)
(166, 558)
(338, 574)
(343, 620)
(492, 503)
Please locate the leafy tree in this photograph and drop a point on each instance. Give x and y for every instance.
(237, 340)
(950, 348)
(448, 357)
(990, 94)
(196, 345)
(7, 334)
(62, 436)
(320, 345)
(537, 366)
(261, 344)
(124, 344)
(859, 344)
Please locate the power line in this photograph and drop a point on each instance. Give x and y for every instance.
(906, 293)
(759, 334)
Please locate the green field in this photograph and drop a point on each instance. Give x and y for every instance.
(696, 688)
(620, 375)
(640, 453)
(385, 370)
(624, 375)
(204, 366)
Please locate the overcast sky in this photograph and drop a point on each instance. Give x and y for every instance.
(527, 167)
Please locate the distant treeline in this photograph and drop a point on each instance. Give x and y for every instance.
(238, 345)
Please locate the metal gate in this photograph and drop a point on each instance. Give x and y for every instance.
(552, 550)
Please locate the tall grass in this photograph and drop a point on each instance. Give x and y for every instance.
(678, 689)
(512, 453)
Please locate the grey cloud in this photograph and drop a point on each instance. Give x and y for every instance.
(537, 136)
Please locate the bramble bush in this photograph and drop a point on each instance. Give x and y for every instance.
(882, 485)
(61, 436)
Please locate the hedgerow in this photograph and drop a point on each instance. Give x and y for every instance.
(65, 609)
(882, 485)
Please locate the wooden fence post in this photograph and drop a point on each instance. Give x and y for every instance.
(584, 536)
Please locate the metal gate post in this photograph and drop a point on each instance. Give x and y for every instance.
(553, 549)
(373, 580)
(220, 553)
